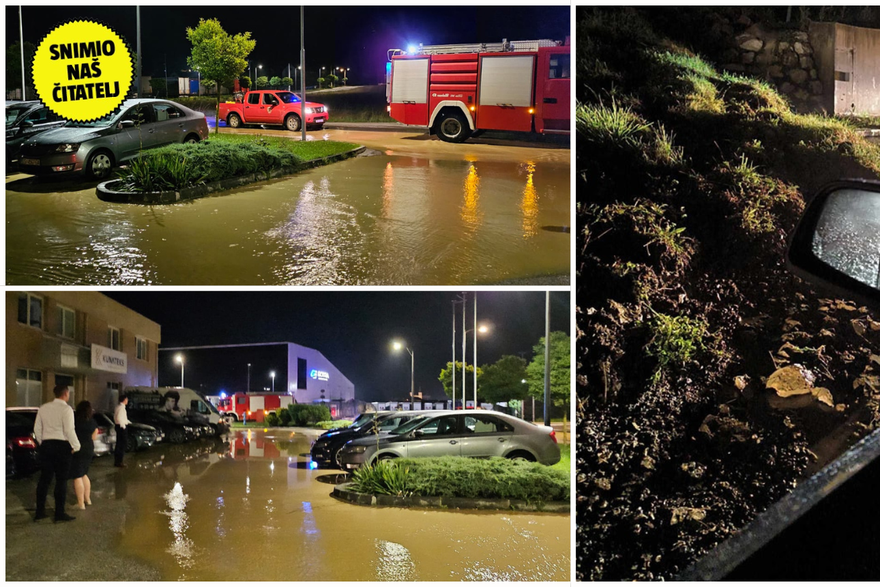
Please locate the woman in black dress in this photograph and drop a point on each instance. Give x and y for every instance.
(86, 431)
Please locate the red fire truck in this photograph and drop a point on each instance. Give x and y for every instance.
(458, 91)
(251, 406)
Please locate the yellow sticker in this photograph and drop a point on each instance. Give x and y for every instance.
(82, 70)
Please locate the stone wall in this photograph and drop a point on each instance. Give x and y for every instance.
(783, 57)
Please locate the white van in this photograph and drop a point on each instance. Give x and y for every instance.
(190, 402)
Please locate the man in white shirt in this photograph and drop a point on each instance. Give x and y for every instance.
(56, 437)
(120, 417)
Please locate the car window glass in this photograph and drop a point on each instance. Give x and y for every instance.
(253, 98)
(166, 112)
(39, 115)
(560, 66)
(440, 426)
(141, 114)
(270, 99)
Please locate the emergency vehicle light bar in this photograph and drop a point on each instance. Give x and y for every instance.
(503, 47)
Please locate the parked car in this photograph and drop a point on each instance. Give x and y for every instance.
(96, 147)
(21, 446)
(327, 449)
(138, 436)
(274, 107)
(175, 430)
(470, 433)
(23, 121)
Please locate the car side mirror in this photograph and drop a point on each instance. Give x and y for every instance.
(836, 245)
(26, 124)
(125, 124)
(418, 433)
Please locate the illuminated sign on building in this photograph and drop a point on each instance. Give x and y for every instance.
(319, 375)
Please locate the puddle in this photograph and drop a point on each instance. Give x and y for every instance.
(387, 219)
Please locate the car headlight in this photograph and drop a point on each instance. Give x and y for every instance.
(67, 148)
(309, 111)
(356, 449)
(326, 109)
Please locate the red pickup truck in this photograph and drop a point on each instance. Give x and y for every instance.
(273, 107)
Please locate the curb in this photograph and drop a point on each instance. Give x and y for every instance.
(375, 127)
(106, 193)
(343, 493)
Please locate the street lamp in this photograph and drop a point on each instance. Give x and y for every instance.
(179, 359)
(272, 375)
(412, 381)
(249, 378)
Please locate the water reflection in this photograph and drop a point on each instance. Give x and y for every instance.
(470, 214)
(182, 547)
(393, 562)
(529, 204)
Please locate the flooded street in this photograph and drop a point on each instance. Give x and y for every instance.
(418, 211)
(251, 508)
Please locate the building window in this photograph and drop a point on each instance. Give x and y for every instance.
(30, 310)
(28, 387)
(302, 370)
(141, 348)
(114, 340)
(66, 322)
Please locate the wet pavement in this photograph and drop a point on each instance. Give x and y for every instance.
(418, 211)
(250, 508)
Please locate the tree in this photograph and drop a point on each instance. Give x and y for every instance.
(321, 82)
(13, 65)
(160, 86)
(275, 81)
(446, 377)
(220, 56)
(332, 78)
(503, 380)
(244, 81)
(560, 370)
(286, 81)
(262, 81)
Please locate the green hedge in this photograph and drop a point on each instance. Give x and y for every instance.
(331, 424)
(494, 478)
(307, 414)
(177, 166)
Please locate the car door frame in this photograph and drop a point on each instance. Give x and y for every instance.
(471, 442)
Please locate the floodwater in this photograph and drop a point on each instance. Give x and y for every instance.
(251, 508)
(418, 213)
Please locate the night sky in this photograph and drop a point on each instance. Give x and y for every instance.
(355, 37)
(353, 330)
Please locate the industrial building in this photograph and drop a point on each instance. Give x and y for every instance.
(82, 339)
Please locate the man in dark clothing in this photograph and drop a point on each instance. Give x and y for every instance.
(121, 419)
(56, 437)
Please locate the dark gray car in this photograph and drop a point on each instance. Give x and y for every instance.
(23, 121)
(96, 147)
(468, 433)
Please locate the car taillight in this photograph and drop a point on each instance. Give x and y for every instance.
(25, 442)
(553, 436)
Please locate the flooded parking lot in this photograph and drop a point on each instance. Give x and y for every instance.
(250, 508)
(417, 211)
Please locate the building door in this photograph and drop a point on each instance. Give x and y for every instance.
(112, 395)
(28, 388)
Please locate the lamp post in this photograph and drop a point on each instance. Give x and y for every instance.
(259, 67)
(179, 359)
(272, 375)
(412, 381)
(249, 378)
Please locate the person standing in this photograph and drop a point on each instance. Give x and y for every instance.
(56, 436)
(86, 432)
(120, 417)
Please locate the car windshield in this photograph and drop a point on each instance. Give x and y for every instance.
(361, 420)
(287, 97)
(411, 425)
(14, 112)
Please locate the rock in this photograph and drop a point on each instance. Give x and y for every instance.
(741, 381)
(816, 87)
(790, 59)
(730, 55)
(805, 61)
(787, 88)
(802, 37)
(802, 95)
(748, 57)
(791, 380)
(814, 74)
(684, 514)
(648, 463)
(775, 71)
(603, 483)
(783, 46)
(751, 44)
(798, 76)
(859, 328)
(823, 396)
(799, 48)
(872, 324)
(744, 20)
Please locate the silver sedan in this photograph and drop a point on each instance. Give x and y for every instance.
(96, 147)
(467, 433)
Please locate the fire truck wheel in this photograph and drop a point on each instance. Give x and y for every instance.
(234, 120)
(453, 128)
(292, 122)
